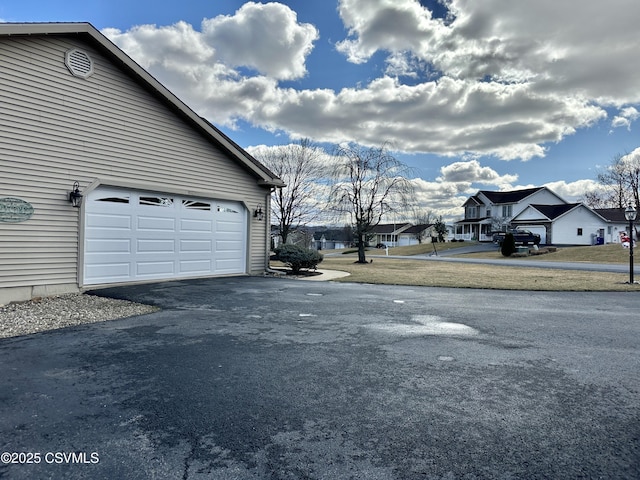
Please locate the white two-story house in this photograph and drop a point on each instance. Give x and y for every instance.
(541, 211)
(488, 211)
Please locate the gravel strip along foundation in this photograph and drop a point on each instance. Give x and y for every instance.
(50, 313)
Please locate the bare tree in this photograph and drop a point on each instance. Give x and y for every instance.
(367, 184)
(619, 183)
(301, 167)
(423, 217)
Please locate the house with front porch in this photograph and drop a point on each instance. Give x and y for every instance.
(489, 211)
(388, 234)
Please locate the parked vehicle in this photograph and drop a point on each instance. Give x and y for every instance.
(521, 237)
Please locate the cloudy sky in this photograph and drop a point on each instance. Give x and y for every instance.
(472, 95)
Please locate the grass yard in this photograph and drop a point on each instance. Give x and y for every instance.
(612, 253)
(444, 274)
(459, 275)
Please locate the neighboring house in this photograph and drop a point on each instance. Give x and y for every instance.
(416, 234)
(543, 212)
(332, 239)
(563, 224)
(616, 223)
(489, 211)
(389, 234)
(165, 194)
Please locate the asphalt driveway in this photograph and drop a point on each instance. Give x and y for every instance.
(266, 378)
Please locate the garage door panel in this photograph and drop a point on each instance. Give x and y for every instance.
(223, 246)
(196, 226)
(108, 245)
(196, 246)
(226, 266)
(156, 224)
(109, 271)
(227, 226)
(105, 221)
(155, 268)
(140, 235)
(155, 246)
(193, 267)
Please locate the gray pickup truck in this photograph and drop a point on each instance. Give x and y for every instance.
(521, 237)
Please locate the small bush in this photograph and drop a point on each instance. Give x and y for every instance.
(297, 258)
(508, 246)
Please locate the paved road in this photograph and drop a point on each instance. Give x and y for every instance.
(455, 255)
(266, 378)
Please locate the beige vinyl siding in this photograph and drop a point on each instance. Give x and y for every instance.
(56, 128)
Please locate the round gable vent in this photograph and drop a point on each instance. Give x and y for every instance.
(79, 63)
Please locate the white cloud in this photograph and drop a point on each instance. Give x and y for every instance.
(573, 192)
(266, 37)
(473, 172)
(625, 118)
(513, 76)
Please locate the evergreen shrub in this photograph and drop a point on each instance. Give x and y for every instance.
(297, 258)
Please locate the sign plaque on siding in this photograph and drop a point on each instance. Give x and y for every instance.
(15, 210)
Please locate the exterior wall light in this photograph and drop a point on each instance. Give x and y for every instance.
(75, 197)
(630, 214)
(257, 213)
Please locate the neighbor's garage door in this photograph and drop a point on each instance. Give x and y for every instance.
(132, 236)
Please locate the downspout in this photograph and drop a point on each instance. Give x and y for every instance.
(267, 224)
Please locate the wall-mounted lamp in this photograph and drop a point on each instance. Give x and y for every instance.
(75, 197)
(257, 213)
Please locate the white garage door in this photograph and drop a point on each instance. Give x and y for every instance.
(132, 236)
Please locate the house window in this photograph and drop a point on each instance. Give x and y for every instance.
(472, 212)
(507, 210)
(579, 232)
(488, 212)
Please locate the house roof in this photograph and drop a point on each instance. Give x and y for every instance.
(415, 229)
(334, 235)
(513, 196)
(474, 199)
(472, 220)
(612, 214)
(383, 228)
(554, 211)
(89, 33)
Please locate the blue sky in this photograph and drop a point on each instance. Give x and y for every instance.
(472, 95)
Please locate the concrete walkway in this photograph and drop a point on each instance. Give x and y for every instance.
(326, 275)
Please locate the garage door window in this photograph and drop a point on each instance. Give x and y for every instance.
(226, 209)
(157, 201)
(195, 205)
(113, 199)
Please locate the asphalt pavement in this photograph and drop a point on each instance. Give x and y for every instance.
(270, 378)
(457, 255)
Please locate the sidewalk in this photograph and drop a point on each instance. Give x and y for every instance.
(326, 275)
